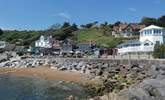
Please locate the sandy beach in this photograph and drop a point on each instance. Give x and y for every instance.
(47, 73)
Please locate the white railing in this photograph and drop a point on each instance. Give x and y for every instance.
(136, 49)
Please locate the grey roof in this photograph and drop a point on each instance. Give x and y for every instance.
(130, 42)
(19, 48)
(10, 47)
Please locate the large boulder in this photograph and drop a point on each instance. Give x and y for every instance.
(149, 89)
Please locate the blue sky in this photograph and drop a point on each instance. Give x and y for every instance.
(40, 14)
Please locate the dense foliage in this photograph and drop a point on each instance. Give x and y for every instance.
(1, 32)
(155, 21)
(159, 51)
(20, 37)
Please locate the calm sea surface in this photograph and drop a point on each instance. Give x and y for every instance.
(26, 88)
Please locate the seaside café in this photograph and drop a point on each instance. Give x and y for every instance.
(149, 36)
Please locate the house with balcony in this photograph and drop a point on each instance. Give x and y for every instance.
(149, 36)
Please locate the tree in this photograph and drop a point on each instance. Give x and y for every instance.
(117, 23)
(106, 28)
(104, 24)
(1, 32)
(159, 51)
(149, 21)
(55, 26)
(89, 25)
(74, 27)
(161, 21)
(65, 25)
(65, 31)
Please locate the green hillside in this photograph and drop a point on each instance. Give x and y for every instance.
(98, 36)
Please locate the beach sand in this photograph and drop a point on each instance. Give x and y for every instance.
(47, 73)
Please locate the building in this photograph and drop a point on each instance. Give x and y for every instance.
(3, 44)
(86, 47)
(10, 47)
(154, 34)
(127, 30)
(56, 47)
(131, 29)
(44, 42)
(149, 36)
(67, 46)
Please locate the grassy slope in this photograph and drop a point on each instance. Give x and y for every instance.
(98, 37)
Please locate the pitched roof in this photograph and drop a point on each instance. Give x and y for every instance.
(151, 27)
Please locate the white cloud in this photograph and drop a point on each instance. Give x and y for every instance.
(132, 9)
(63, 15)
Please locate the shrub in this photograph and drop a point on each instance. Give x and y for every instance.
(159, 51)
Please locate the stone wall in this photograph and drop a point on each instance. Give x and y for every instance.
(67, 62)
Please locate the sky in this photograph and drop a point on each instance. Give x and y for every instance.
(41, 14)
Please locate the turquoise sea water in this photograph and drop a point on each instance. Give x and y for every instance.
(27, 88)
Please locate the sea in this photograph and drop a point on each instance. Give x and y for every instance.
(30, 88)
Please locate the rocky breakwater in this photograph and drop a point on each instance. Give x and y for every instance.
(138, 82)
(119, 79)
(24, 63)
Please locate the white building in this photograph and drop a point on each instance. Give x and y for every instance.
(154, 34)
(3, 44)
(149, 36)
(44, 42)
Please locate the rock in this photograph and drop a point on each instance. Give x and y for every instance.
(71, 98)
(150, 89)
(105, 97)
(98, 72)
(104, 66)
(62, 68)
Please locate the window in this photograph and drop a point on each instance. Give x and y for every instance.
(157, 42)
(145, 32)
(159, 31)
(150, 31)
(154, 31)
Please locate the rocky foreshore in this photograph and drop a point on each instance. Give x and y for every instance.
(119, 79)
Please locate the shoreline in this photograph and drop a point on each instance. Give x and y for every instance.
(47, 73)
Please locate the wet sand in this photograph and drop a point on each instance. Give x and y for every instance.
(47, 73)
